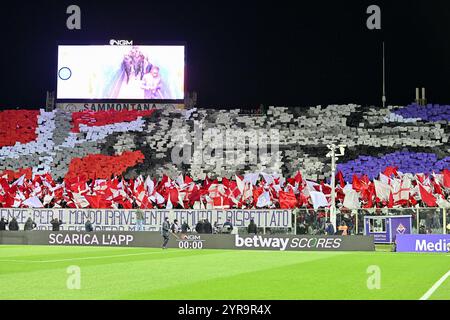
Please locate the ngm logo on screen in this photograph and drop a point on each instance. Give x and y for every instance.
(120, 42)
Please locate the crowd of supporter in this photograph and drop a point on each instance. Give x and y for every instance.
(392, 189)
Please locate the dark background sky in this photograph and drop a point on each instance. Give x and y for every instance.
(243, 53)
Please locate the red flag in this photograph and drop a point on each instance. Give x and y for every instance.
(146, 203)
(71, 204)
(298, 178)
(188, 179)
(94, 201)
(325, 188)
(49, 178)
(291, 181)
(420, 177)
(98, 202)
(391, 200)
(446, 174)
(126, 204)
(234, 189)
(340, 177)
(412, 200)
(173, 196)
(256, 193)
(194, 195)
(389, 171)
(139, 189)
(302, 200)
(37, 179)
(4, 184)
(365, 180)
(226, 182)
(221, 202)
(427, 197)
(9, 201)
(356, 183)
(437, 188)
(287, 200)
(340, 195)
(369, 203)
(207, 182)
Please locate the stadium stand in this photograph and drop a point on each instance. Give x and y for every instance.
(408, 144)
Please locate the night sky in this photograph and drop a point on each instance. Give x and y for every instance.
(244, 53)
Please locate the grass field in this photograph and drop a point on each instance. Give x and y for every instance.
(38, 272)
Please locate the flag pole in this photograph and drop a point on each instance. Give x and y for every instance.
(295, 222)
(333, 188)
(444, 220)
(383, 99)
(334, 157)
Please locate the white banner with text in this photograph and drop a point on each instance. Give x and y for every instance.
(125, 220)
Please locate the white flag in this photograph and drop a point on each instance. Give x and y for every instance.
(47, 199)
(351, 200)
(318, 199)
(382, 190)
(240, 184)
(169, 205)
(33, 202)
(80, 201)
(19, 181)
(268, 177)
(251, 178)
(442, 203)
(264, 200)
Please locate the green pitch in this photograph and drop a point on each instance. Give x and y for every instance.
(34, 272)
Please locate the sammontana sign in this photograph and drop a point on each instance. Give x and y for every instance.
(76, 107)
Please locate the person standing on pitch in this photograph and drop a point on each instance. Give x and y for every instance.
(165, 232)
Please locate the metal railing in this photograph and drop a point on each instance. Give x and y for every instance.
(424, 220)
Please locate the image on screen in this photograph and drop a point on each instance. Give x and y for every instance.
(121, 72)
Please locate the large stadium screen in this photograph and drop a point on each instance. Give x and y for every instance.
(121, 72)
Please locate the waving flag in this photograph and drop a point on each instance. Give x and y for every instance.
(318, 199)
(427, 197)
(33, 202)
(287, 200)
(351, 200)
(446, 174)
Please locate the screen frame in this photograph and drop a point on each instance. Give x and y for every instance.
(112, 101)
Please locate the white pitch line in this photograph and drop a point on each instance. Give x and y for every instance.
(85, 258)
(428, 294)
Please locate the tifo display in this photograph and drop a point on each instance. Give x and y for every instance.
(125, 159)
(80, 189)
